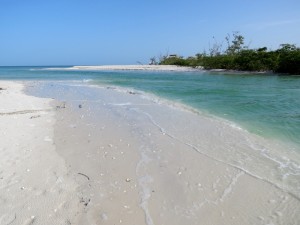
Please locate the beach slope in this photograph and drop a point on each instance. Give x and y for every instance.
(107, 155)
(34, 185)
(142, 160)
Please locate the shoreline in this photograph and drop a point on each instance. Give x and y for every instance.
(135, 151)
(279, 140)
(164, 68)
(129, 159)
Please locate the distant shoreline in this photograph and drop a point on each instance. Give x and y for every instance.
(162, 68)
(137, 67)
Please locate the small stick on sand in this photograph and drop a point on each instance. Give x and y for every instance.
(84, 175)
(24, 112)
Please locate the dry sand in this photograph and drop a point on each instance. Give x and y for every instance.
(35, 185)
(116, 157)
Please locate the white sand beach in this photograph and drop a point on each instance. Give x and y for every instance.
(35, 185)
(111, 156)
(136, 67)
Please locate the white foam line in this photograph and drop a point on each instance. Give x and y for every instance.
(84, 100)
(162, 130)
(146, 195)
(120, 104)
(228, 190)
(145, 191)
(244, 170)
(126, 104)
(295, 167)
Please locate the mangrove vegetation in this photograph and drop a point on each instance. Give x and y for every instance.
(238, 56)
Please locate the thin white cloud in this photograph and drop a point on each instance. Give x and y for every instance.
(271, 24)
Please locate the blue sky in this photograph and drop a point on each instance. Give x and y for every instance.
(95, 32)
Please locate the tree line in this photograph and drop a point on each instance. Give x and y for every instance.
(238, 56)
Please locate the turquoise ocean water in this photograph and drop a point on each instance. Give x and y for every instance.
(267, 105)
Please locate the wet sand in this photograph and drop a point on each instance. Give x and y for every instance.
(132, 159)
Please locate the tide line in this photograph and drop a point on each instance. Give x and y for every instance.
(164, 132)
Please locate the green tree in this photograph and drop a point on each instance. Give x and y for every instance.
(289, 59)
(237, 56)
(236, 45)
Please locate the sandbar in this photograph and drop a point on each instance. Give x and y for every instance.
(86, 154)
(137, 67)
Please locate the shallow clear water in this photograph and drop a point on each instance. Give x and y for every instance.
(267, 105)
